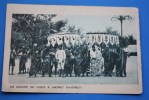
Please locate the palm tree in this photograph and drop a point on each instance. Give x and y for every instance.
(122, 18)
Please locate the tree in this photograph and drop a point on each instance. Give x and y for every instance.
(71, 28)
(110, 30)
(132, 41)
(122, 18)
(74, 29)
(34, 29)
(58, 26)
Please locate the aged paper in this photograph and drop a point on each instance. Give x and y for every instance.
(72, 49)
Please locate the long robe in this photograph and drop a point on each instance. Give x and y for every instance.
(22, 63)
(12, 59)
(35, 65)
(45, 66)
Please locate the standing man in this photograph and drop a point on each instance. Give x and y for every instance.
(60, 57)
(22, 64)
(77, 61)
(72, 62)
(85, 60)
(44, 65)
(55, 62)
(12, 61)
(51, 58)
(67, 62)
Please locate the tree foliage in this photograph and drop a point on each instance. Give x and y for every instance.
(58, 26)
(110, 30)
(132, 41)
(34, 28)
(122, 18)
(74, 29)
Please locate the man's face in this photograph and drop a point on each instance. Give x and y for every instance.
(96, 47)
(93, 49)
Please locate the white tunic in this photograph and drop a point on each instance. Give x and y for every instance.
(60, 55)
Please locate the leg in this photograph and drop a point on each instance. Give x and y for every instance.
(88, 67)
(9, 68)
(55, 64)
(50, 70)
(105, 71)
(79, 71)
(50, 67)
(125, 71)
(66, 70)
(71, 69)
(23, 67)
(12, 70)
(110, 71)
(117, 71)
(25, 70)
(83, 70)
(19, 69)
(60, 71)
(43, 74)
(121, 72)
(43, 70)
(63, 71)
(75, 70)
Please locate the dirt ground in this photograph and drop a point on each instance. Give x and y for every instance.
(25, 79)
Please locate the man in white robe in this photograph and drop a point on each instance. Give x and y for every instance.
(60, 57)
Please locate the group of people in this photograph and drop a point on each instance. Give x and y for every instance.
(63, 61)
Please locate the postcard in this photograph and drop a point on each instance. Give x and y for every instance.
(72, 49)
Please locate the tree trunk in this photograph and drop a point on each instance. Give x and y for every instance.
(121, 21)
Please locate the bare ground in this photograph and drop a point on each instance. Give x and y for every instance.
(130, 79)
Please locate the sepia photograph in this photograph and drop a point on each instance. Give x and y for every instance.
(71, 50)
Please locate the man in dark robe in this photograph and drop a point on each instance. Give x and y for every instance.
(121, 63)
(45, 66)
(33, 69)
(38, 61)
(22, 64)
(55, 62)
(12, 61)
(77, 61)
(51, 58)
(108, 61)
(67, 63)
(85, 64)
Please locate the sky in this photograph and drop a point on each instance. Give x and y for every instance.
(94, 23)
